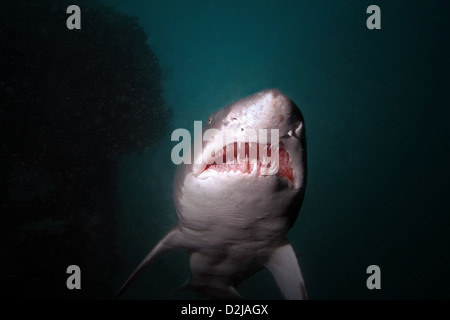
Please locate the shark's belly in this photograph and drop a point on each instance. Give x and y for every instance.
(232, 230)
(246, 210)
(216, 270)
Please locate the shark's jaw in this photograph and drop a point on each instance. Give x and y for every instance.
(248, 159)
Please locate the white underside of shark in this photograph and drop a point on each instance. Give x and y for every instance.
(234, 218)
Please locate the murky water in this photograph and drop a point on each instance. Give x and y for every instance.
(376, 107)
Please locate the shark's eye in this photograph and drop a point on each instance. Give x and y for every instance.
(210, 119)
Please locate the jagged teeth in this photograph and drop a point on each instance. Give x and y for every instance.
(255, 168)
(255, 161)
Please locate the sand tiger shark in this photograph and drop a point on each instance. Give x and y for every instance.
(234, 216)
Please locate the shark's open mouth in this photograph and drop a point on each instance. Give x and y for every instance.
(249, 158)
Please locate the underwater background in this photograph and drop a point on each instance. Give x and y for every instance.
(86, 117)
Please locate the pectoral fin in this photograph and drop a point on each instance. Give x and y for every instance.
(284, 267)
(171, 241)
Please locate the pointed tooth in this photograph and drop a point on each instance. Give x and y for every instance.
(276, 168)
(263, 155)
(273, 170)
(265, 159)
(276, 155)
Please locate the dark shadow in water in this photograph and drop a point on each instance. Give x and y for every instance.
(72, 104)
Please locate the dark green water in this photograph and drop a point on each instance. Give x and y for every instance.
(88, 172)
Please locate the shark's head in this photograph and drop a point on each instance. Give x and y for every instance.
(253, 156)
(258, 137)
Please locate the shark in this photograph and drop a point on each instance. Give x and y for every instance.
(239, 198)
